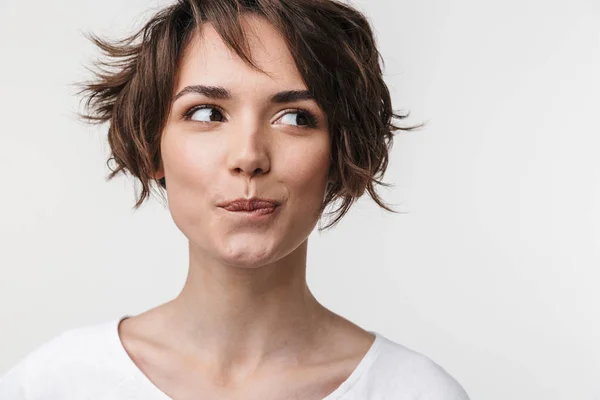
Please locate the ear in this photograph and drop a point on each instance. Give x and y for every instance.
(330, 178)
(160, 173)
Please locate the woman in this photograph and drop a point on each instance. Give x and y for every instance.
(253, 116)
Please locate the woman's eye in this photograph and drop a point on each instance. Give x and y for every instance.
(299, 118)
(205, 114)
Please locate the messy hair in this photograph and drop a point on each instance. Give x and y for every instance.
(333, 47)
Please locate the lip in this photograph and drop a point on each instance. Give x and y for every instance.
(252, 211)
(254, 204)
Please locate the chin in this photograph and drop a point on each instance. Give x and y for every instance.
(246, 261)
(244, 252)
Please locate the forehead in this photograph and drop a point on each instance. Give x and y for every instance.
(208, 60)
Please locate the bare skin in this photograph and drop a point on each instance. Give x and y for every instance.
(245, 325)
(311, 372)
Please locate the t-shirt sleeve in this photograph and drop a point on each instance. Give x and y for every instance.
(36, 376)
(14, 383)
(439, 384)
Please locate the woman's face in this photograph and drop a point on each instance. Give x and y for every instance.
(242, 145)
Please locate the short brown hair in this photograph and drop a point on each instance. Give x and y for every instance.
(335, 52)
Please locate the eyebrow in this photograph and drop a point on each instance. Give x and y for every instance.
(220, 93)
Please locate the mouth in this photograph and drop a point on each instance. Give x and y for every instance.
(252, 210)
(250, 205)
(260, 214)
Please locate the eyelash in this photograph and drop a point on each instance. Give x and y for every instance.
(313, 121)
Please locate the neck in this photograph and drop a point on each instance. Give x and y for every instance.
(247, 317)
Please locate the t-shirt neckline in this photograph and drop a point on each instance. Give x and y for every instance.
(137, 374)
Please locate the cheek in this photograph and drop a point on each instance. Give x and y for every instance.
(306, 169)
(191, 174)
(305, 174)
(191, 163)
(191, 170)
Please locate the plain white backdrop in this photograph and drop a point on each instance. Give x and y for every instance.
(492, 270)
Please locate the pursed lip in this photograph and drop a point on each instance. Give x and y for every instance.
(248, 204)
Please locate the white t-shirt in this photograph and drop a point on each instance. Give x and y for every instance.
(90, 362)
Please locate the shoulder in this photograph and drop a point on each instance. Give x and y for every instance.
(410, 374)
(61, 367)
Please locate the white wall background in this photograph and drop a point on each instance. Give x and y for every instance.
(493, 270)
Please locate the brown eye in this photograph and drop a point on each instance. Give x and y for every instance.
(300, 118)
(204, 113)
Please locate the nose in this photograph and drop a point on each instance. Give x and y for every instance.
(248, 151)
